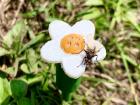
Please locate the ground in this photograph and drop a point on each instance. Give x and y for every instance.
(24, 29)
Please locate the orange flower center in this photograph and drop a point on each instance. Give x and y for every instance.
(72, 43)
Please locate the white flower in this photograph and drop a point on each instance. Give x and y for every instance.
(68, 46)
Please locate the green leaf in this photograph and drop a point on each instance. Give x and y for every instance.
(24, 101)
(30, 14)
(24, 68)
(10, 71)
(35, 40)
(15, 34)
(3, 52)
(92, 14)
(33, 62)
(93, 2)
(32, 56)
(5, 91)
(18, 88)
(1, 90)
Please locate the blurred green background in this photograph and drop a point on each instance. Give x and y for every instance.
(25, 79)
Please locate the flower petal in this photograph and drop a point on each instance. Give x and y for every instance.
(52, 52)
(73, 66)
(84, 27)
(58, 29)
(101, 51)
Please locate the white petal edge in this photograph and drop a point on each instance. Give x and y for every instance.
(73, 66)
(51, 52)
(101, 51)
(84, 27)
(58, 28)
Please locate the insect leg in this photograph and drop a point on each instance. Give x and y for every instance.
(83, 62)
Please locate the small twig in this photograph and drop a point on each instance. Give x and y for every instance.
(17, 12)
(105, 77)
(118, 101)
(101, 75)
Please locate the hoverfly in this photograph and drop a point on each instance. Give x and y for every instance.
(90, 53)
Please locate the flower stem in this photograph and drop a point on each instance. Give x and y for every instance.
(66, 84)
